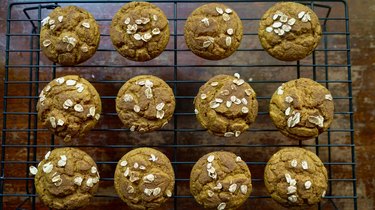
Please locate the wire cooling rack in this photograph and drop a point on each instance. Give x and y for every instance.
(27, 71)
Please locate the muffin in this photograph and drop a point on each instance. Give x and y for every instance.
(220, 180)
(144, 178)
(296, 178)
(302, 109)
(289, 31)
(69, 35)
(213, 31)
(145, 103)
(69, 107)
(139, 31)
(226, 105)
(67, 178)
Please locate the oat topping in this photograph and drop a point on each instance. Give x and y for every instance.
(124, 163)
(210, 158)
(301, 14)
(236, 75)
(317, 120)
(90, 182)
(57, 180)
(79, 87)
(97, 116)
(78, 180)
(291, 21)
(149, 178)
(136, 165)
(60, 122)
(155, 31)
(228, 41)
(219, 10)
(137, 37)
(47, 155)
(294, 119)
(45, 21)
(127, 171)
(145, 37)
(218, 186)
(226, 17)
(52, 27)
(70, 82)
(91, 112)
(153, 158)
(243, 189)
(292, 198)
(86, 24)
(304, 164)
(287, 111)
(127, 21)
(142, 167)
(277, 24)
(46, 42)
(93, 170)
(228, 10)
(160, 106)
(304, 16)
(280, 90)
(214, 105)
(78, 108)
(210, 40)
(60, 80)
(269, 29)
(128, 98)
(148, 192)
(71, 41)
(328, 97)
(323, 194)
(155, 17)
(238, 159)
(221, 206)
(288, 99)
(47, 167)
(291, 189)
(228, 104)
(308, 185)
(245, 109)
(160, 114)
(33, 170)
(294, 163)
(130, 189)
(232, 188)
(136, 108)
(228, 134)
(196, 111)
(210, 193)
(62, 161)
(203, 96)
(205, 21)
(52, 120)
(169, 193)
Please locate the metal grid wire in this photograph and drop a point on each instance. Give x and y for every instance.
(37, 72)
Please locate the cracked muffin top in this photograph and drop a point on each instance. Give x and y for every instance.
(69, 106)
(289, 31)
(69, 35)
(145, 103)
(144, 178)
(67, 178)
(296, 178)
(226, 105)
(302, 109)
(220, 180)
(139, 31)
(213, 31)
